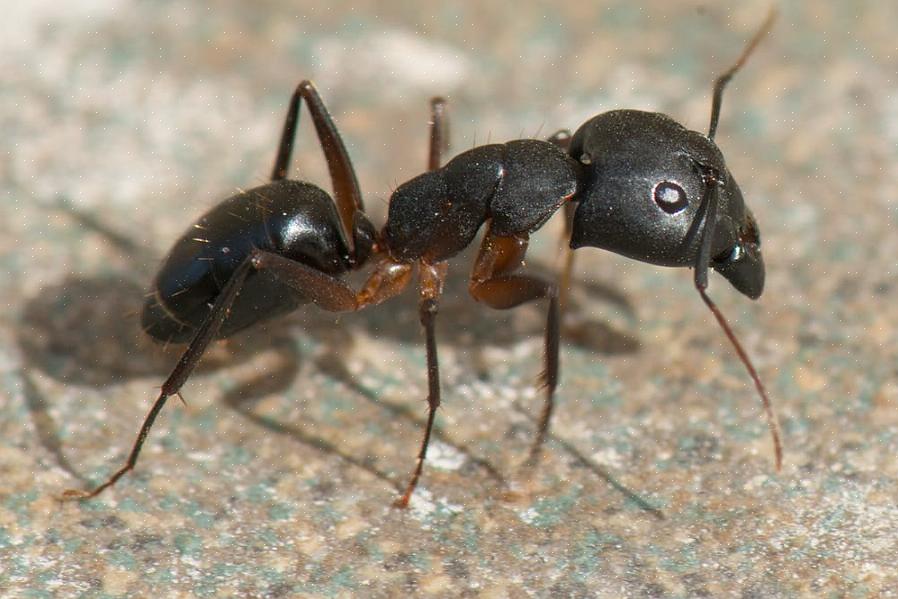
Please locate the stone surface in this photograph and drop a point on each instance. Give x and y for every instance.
(121, 122)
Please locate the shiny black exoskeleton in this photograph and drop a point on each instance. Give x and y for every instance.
(293, 219)
(639, 184)
(256, 255)
(436, 215)
(645, 205)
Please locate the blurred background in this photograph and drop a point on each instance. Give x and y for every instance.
(122, 121)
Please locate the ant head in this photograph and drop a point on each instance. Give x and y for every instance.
(740, 260)
(645, 180)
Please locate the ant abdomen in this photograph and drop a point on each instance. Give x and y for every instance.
(294, 219)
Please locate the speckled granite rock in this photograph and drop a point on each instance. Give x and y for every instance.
(123, 121)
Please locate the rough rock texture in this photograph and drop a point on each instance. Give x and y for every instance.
(120, 122)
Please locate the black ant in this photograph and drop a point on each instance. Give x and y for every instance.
(643, 186)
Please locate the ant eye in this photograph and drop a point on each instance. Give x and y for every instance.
(670, 197)
(585, 158)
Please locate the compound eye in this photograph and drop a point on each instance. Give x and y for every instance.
(670, 197)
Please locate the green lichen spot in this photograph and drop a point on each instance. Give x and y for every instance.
(188, 544)
(551, 511)
(123, 559)
(280, 511)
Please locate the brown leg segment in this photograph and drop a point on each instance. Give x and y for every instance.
(325, 291)
(493, 284)
(431, 287)
(432, 278)
(191, 357)
(328, 292)
(346, 187)
(388, 279)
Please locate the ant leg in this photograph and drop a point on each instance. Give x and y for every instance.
(388, 279)
(432, 277)
(189, 359)
(328, 292)
(324, 290)
(346, 187)
(493, 284)
(439, 133)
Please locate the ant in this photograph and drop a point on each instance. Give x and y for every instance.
(636, 183)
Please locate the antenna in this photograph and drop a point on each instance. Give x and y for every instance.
(721, 81)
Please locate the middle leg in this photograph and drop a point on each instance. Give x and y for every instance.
(432, 278)
(494, 283)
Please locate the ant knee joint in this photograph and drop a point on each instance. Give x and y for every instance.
(428, 310)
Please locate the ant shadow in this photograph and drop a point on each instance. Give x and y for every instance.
(79, 332)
